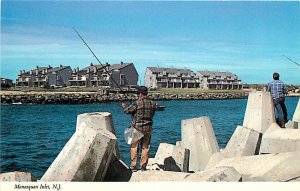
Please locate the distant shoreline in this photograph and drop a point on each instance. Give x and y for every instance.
(18, 97)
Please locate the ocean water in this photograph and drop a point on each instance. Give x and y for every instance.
(33, 135)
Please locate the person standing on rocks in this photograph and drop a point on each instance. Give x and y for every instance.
(278, 90)
(142, 112)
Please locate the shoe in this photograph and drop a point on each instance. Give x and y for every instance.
(143, 169)
(133, 168)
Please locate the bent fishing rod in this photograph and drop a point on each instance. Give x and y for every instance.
(105, 68)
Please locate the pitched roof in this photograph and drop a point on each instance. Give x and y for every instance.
(99, 66)
(170, 70)
(33, 71)
(118, 66)
(57, 69)
(215, 73)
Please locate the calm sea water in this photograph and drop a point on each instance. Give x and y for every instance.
(33, 135)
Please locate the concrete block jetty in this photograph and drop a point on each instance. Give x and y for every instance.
(259, 150)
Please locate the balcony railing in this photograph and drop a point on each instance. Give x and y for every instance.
(175, 80)
(162, 80)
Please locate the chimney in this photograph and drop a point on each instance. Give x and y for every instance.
(60, 66)
(122, 63)
(74, 70)
(91, 64)
(77, 69)
(37, 67)
(30, 72)
(21, 72)
(49, 66)
(36, 71)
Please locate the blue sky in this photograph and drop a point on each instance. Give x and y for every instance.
(246, 38)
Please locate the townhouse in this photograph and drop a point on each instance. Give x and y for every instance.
(112, 76)
(44, 77)
(157, 77)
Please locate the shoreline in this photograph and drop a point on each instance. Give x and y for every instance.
(13, 97)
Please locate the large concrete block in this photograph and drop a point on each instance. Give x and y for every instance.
(85, 157)
(296, 116)
(181, 156)
(269, 167)
(17, 176)
(259, 113)
(243, 142)
(215, 175)
(198, 136)
(157, 176)
(291, 125)
(152, 165)
(117, 171)
(221, 174)
(279, 140)
(163, 152)
(214, 159)
(98, 121)
(171, 158)
(297, 179)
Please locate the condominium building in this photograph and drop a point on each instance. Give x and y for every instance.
(219, 80)
(112, 76)
(44, 76)
(157, 77)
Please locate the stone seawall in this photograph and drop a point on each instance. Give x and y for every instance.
(90, 98)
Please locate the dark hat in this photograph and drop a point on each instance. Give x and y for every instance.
(142, 90)
(275, 76)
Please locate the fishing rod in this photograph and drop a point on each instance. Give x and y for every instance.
(291, 60)
(107, 72)
(159, 107)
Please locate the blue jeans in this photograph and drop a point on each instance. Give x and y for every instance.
(279, 114)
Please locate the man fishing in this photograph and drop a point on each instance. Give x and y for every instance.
(278, 90)
(142, 112)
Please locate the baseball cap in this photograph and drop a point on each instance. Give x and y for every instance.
(142, 90)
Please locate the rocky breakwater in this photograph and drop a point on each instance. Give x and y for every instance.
(92, 97)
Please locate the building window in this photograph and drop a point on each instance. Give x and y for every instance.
(122, 79)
